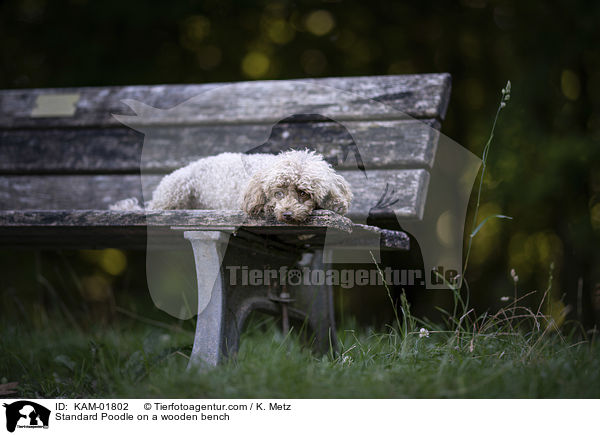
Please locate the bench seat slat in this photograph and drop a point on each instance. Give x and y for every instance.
(392, 144)
(83, 192)
(163, 218)
(105, 228)
(418, 96)
(99, 228)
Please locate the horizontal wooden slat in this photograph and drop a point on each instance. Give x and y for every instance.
(409, 187)
(216, 219)
(391, 144)
(419, 96)
(56, 192)
(101, 228)
(76, 229)
(70, 151)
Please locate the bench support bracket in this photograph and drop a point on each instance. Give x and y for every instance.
(224, 307)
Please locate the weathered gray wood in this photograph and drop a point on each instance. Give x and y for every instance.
(419, 96)
(58, 192)
(87, 192)
(392, 144)
(409, 188)
(103, 228)
(95, 228)
(219, 219)
(95, 150)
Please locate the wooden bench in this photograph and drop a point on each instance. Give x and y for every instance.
(65, 157)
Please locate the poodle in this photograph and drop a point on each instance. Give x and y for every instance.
(287, 186)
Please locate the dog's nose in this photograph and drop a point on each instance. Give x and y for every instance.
(287, 215)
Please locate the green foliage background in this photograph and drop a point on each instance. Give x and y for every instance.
(544, 162)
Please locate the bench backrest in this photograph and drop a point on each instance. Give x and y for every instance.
(63, 149)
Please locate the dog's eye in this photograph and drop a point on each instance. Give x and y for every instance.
(303, 195)
(279, 194)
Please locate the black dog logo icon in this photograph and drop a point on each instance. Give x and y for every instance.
(26, 414)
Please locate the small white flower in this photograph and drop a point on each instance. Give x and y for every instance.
(347, 359)
(504, 298)
(423, 333)
(514, 275)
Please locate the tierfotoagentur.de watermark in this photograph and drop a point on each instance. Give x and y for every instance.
(345, 278)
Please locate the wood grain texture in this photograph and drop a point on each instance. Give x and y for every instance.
(418, 96)
(101, 228)
(184, 219)
(87, 192)
(74, 229)
(391, 144)
(408, 187)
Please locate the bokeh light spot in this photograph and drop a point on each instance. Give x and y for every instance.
(319, 22)
(255, 64)
(113, 261)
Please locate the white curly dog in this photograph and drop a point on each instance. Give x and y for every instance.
(288, 186)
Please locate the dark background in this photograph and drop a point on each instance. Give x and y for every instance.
(544, 165)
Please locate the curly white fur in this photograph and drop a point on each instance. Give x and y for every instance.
(288, 186)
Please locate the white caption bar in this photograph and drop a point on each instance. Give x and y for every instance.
(277, 416)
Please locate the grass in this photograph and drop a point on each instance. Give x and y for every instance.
(499, 359)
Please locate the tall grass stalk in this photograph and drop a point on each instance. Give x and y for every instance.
(475, 227)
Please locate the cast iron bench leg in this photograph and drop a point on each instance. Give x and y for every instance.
(222, 317)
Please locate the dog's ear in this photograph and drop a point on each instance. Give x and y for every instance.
(338, 195)
(255, 198)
